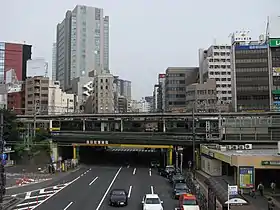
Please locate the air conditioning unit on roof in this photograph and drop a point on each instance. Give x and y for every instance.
(234, 146)
(248, 146)
(229, 147)
(241, 147)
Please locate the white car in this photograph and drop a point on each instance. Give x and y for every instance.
(152, 202)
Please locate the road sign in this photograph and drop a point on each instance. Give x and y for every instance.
(232, 190)
(4, 156)
(3, 162)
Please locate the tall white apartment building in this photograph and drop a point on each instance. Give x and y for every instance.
(215, 63)
(82, 46)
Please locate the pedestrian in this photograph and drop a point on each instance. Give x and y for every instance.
(270, 204)
(261, 188)
(253, 193)
(273, 187)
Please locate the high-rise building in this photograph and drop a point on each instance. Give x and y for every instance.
(161, 93)
(82, 47)
(251, 85)
(176, 81)
(214, 63)
(54, 62)
(13, 61)
(155, 98)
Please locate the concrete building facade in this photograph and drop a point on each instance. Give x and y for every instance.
(54, 61)
(214, 63)
(44, 96)
(176, 81)
(251, 80)
(202, 97)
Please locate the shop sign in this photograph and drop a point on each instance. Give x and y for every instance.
(270, 163)
(246, 177)
(274, 42)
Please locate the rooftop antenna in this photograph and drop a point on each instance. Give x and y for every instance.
(267, 30)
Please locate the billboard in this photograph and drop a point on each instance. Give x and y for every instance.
(12, 83)
(250, 47)
(274, 42)
(275, 71)
(246, 177)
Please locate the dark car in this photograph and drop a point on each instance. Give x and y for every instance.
(177, 178)
(155, 164)
(118, 197)
(180, 189)
(167, 171)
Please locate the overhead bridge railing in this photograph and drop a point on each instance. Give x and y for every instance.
(141, 146)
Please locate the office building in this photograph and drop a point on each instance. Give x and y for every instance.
(82, 46)
(122, 94)
(13, 59)
(142, 105)
(37, 67)
(161, 93)
(250, 73)
(54, 62)
(214, 63)
(155, 98)
(176, 81)
(202, 97)
(44, 96)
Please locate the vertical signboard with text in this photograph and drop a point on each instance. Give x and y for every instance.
(246, 177)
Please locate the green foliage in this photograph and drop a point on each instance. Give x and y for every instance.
(10, 126)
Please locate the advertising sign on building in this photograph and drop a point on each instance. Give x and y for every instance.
(246, 177)
(276, 71)
(274, 42)
(250, 47)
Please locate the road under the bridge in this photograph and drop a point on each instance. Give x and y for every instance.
(117, 155)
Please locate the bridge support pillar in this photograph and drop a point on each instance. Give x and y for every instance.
(169, 156)
(84, 124)
(121, 125)
(163, 126)
(74, 152)
(102, 126)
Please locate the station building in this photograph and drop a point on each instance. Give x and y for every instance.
(246, 164)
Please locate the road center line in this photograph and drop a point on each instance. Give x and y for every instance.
(68, 205)
(93, 181)
(105, 194)
(134, 171)
(152, 189)
(150, 172)
(129, 191)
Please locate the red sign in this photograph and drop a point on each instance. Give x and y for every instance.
(161, 75)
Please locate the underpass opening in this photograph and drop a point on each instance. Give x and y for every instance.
(65, 152)
(138, 155)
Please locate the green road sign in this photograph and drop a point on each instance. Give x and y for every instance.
(274, 42)
(270, 163)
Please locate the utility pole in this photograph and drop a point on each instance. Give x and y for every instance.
(2, 169)
(193, 141)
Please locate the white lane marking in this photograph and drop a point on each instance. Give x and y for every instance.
(105, 194)
(93, 181)
(28, 195)
(25, 208)
(57, 192)
(134, 171)
(39, 196)
(150, 172)
(129, 191)
(28, 203)
(68, 205)
(152, 189)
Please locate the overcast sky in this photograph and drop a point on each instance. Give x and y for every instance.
(146, 36)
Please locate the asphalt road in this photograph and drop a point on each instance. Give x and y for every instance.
(90, 190)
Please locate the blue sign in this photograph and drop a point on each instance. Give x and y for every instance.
(250, 47)
(3, 162)
(4, 156)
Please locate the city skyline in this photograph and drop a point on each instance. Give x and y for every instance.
(130, 46)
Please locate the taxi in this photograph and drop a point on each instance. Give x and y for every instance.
(188, 202)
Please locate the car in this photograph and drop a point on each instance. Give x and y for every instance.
(118, 197)
(188, 201)
(152, 202)
(155, 164)
(167, 171)
(180, 189)
(177, 178)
